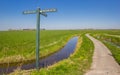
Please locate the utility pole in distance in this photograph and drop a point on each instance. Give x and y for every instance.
(38, 12)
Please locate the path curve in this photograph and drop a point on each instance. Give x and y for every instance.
(103, 62)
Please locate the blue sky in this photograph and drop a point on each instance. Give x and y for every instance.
(71, 14)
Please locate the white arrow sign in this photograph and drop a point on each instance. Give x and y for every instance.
(48, 10)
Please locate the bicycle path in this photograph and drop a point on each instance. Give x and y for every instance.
(103, 62)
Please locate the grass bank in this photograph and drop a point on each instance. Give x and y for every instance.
(77, 64)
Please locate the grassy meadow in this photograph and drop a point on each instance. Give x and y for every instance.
(20, 46)
(77, 64)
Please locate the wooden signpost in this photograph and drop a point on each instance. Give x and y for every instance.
(38, 12)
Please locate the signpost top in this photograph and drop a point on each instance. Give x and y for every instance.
(42, 12)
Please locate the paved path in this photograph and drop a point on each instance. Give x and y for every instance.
(103, 62)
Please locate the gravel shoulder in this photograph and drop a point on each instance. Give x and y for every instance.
(103, 62)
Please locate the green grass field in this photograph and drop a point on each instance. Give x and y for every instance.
(20, 46)
(77, 64)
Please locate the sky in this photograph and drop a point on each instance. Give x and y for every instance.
(71, 14)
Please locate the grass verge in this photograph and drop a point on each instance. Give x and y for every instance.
(115, 51)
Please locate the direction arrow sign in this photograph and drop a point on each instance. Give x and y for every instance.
(30, 12)
(48, 10)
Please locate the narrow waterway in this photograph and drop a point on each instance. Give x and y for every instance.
(54, 58)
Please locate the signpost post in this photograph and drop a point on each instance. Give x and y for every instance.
(38, 12)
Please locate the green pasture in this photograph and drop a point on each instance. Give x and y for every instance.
(77, 64)
(21, 45)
